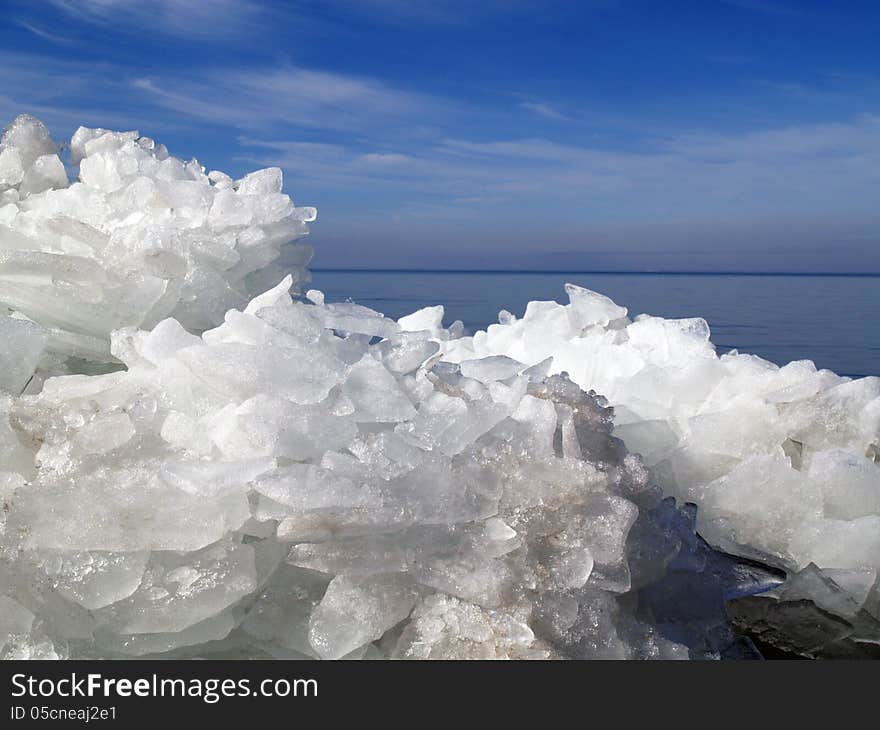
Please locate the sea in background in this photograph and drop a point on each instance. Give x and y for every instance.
(829, 319)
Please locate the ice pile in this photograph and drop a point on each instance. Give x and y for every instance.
(307, 480)
(782, 461)
(188, 471)
(184, 472)
(140, 236)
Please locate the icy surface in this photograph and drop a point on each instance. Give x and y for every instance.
(289, 484)
(782, 461)
(138, 236)
(186, 470)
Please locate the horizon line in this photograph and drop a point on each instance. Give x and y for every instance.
(351, 270)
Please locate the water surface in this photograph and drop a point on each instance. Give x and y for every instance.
(832, 320)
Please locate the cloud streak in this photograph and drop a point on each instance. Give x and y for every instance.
(202, 19)
(543, 109)
(288, 95)
(830, 168)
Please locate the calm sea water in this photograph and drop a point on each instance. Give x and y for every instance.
(832, 320)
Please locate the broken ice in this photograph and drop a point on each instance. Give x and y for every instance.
(191, 470)
(139, 236)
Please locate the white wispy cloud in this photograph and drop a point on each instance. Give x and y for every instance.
(46, 35)
(542, 109)
(812, 168)
(186, 18)
(290, 95)
(216, 19)
(63, 93)
(386, 158)
(442, 12)
(826, 142)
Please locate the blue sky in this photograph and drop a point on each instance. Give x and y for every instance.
(602, 134)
